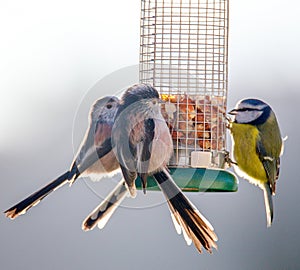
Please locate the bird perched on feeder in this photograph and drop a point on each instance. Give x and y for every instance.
(143, 146)
(134, 132)
(257, 147)
(86, 162)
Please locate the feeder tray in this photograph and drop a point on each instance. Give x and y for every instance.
(184, 55)
(198, 180)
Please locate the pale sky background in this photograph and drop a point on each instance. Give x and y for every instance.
(56, 54)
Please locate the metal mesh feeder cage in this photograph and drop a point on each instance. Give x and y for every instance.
(183, 54)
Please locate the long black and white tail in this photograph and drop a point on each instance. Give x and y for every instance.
(21, 207)
(102, 213)
(186, 217)
(68, 177)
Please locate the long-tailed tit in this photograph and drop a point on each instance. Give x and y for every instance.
(136, 133)
(87, 161)
(143, 146)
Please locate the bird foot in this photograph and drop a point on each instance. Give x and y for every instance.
(228, 160)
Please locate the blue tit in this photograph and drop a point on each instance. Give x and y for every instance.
(257, 146)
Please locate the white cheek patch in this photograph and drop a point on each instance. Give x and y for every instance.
(244, 117)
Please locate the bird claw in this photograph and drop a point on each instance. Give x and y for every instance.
(227, 125)
(228, 160)
(227, 117)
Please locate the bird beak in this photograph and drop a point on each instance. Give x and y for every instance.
(233, 112)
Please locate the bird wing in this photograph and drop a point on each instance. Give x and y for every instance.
(125, 151)
(144, 151)
(270, 163)
(130, 177)
(86, 146)
(91, 158)
(269, 148)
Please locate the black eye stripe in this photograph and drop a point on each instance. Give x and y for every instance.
(247, 109)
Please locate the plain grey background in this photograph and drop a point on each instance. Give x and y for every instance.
(56, 57)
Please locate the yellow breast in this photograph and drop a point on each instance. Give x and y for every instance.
(244, 151)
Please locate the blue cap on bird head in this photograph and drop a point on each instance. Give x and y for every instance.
(251, 111)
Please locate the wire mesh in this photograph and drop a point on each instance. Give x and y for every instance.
(183, 54)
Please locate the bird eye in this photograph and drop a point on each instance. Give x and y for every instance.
(108, 106)
(154, 102)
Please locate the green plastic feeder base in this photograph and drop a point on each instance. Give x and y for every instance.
(198, 180)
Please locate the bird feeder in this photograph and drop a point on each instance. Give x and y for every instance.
(184, 55)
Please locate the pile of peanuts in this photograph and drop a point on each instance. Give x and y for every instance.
(195, 121)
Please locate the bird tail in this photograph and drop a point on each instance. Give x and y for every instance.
(102, 213)
(21, 207)
(195, 227)
(268, 204)
(69, 176)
